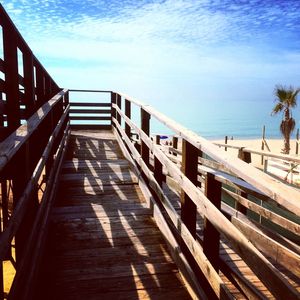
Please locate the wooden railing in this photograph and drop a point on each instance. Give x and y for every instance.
(25, 85)
(288, 163)
(30, 160)
(203, 175)
(90, 109)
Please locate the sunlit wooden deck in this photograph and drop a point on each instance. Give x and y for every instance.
(103, 243)
(116, 213)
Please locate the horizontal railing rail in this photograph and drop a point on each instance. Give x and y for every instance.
(30, 160)
(201, 193)
(285, 157)
(89, 113)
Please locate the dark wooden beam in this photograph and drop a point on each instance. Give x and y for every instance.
(189, 167)
(119, 104)
(158, 167)
(11, 78)
(128, 114)
(211, 236)
(29, 83)
(113, 110)
(145, 126)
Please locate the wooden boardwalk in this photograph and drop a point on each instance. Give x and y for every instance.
(233, 231)
(103, 242)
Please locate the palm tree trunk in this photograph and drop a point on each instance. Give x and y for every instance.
(287, 142)
(287, 132)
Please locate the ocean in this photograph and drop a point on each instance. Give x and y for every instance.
(213, 120)
(237, 119)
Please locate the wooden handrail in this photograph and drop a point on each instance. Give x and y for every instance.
(259, 264)
(10, 146)
(285, 157)
(282, 194)
(40, 143)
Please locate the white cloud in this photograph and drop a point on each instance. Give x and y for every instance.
(166, 43)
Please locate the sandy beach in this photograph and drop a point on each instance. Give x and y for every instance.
(275, 146)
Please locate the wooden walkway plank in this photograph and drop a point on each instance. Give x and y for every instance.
(103, 242)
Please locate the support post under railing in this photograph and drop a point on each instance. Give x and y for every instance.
(211, 236)
(119, 104)
(263, 143)
(175, 144)
(113, 110)
(29, 82)
(40, 87)
(158, 167)
(11, 78)
(239, 207)
(189, 168)
(145, 125)
(128, 115)
(66, 100)
(297, 141)
(244, 156)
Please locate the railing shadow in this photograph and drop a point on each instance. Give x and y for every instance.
(103, 241)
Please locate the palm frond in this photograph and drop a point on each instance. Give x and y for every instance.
(280, 93)
(278, 108)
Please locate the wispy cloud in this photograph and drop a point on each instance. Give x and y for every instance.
(199, 43)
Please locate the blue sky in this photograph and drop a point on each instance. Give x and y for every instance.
(167, 53)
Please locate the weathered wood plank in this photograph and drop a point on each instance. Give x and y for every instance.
(109, 240)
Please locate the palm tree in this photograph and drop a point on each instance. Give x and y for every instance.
(286, 100)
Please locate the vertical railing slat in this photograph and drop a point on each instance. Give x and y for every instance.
(145, 126)
(158, 167)
(113, 110)
(119, 104)
(29, 82)
(190, 170)
(39, 85)
(211, 236)
(128, 115)
(175, 143)
(11, 78)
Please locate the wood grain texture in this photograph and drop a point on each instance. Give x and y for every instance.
(103, 242)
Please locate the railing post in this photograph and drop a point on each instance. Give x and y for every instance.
(66, 100)
(244, 156)
(239, 207)
(128, 115)
(263, 143)
(47, 83)
(211, 237)
(158, 167)
(113, 110)
(145, 126)
(11, 77)
(39, 85)
(119, 104)
(28, 82)
(190, 170)
(297, 142)
(175, 144)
